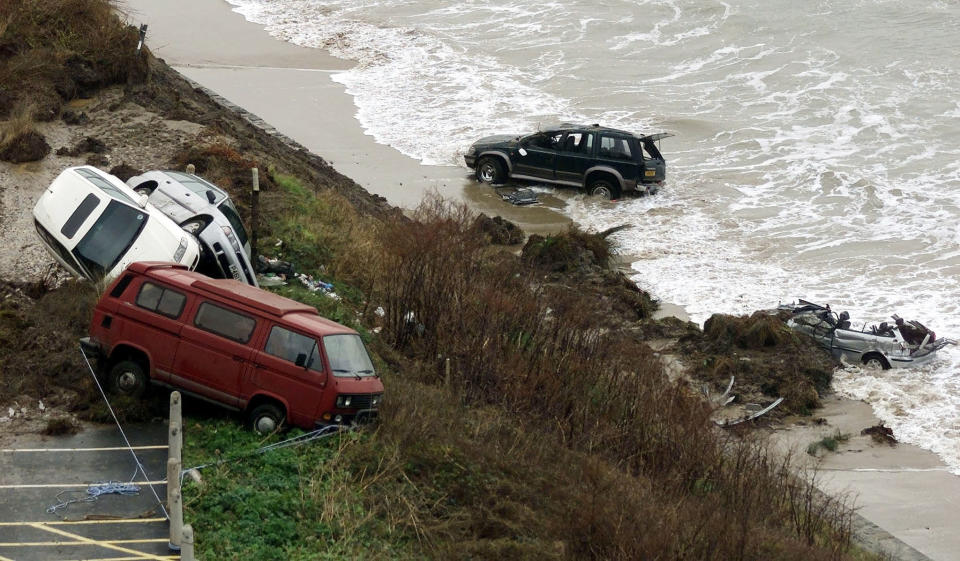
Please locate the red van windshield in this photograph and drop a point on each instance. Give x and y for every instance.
(347, 355)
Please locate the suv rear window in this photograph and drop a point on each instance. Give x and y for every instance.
(225, 323)
(613, 147)
(161, 300)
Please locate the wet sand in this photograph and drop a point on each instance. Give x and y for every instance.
(905, 490)
(290, 87)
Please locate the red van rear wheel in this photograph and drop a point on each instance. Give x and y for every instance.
(128, 378)
(266, 418)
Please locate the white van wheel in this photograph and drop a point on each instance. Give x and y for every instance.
(266, 418)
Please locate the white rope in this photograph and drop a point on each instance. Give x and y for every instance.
(140, 467)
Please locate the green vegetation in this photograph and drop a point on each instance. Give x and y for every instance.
(829, 443)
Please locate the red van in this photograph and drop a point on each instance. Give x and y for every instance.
(233, 344)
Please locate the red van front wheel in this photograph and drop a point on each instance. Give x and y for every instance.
(128, 378)
(266, 418)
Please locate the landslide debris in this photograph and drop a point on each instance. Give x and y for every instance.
(768, 359)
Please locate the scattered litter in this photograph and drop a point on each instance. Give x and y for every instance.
(41, 407)
(520, 197)
(270, 279)
(275, 266)
(93, 492)
(380, 311)
(317, 285)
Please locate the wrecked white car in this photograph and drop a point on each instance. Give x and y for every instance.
(901, 345)
(95, 226)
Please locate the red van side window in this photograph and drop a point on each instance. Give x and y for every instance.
(286, 344)
(224, 322)
(161, 300)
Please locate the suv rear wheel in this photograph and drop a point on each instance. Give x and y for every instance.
(490, 170)
(127, 377)
(266, 418)
(603, 188)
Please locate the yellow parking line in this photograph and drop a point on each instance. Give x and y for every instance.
(167, 557)
(107, 545)
(107, 449)
(2, 558)
(74, 522)
(54, 485)
(32, 544)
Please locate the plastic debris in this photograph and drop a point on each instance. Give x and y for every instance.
(521, 197)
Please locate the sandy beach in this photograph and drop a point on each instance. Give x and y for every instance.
(905, 490)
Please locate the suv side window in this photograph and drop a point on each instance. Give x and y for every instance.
(161, 300)
(225, 323)
(286, 344)
(615, 147)
(542, 140)
(578, 142)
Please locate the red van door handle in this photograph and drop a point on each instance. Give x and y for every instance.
(238, 358)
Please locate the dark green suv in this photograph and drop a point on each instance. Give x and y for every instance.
(605, 162)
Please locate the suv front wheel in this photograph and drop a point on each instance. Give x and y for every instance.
(603, 188)
(490, 170)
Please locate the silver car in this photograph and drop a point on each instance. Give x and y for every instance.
(901, 345)
(206, 211)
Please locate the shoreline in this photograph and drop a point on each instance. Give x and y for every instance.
(246, 66)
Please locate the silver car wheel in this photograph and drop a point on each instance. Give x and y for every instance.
(873, 364)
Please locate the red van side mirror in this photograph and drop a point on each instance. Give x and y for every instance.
(301, 360)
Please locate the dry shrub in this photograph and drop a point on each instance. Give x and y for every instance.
(19, 139)
(82, 44)
(574, 444)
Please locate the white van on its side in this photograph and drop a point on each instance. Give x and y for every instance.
(94, 226)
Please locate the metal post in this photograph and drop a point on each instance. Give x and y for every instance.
(186, 552)
(254, 212)
(446, 379)
(191, 169)
(174, 504)
(176, 428)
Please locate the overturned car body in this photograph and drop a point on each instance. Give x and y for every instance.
(901, 345)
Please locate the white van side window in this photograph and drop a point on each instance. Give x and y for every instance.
(225, 323)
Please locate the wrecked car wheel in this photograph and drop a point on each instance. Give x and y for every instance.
(490, 170)
(266, 418)
(876, 362)
(604, 189)
(127, 377)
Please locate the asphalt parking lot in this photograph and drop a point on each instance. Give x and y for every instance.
(38, 472)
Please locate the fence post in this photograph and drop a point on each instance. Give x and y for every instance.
(174, 504)
(186, 552)
(176, 428)
(254, 213)
(446, 378)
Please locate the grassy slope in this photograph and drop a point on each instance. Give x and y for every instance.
(558, 436)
